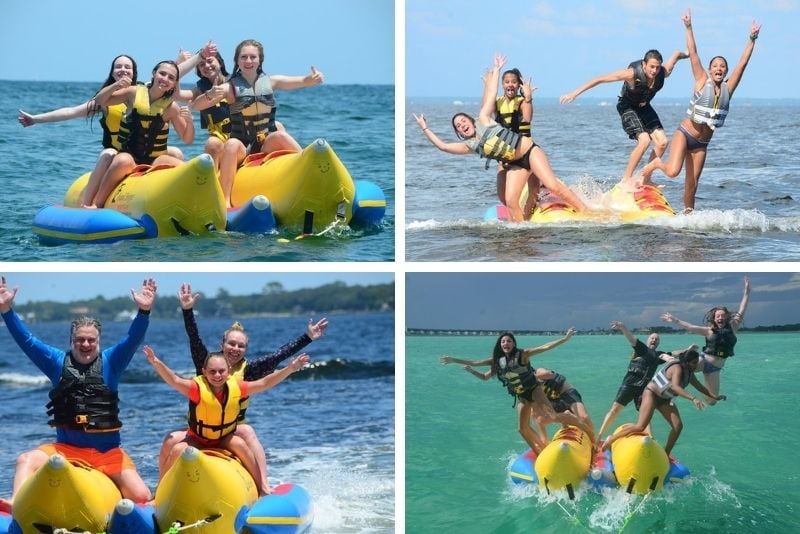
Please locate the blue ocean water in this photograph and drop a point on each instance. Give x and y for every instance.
(38, 163)
(329, 428)
(461, 435)
(747, 202)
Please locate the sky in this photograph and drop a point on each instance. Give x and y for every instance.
(556, 301)
(350, 41)
(68, 287)
(564, 43)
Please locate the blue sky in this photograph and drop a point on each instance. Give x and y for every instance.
(564, 43)
(556, 301)
(66, 287)
(350, 41)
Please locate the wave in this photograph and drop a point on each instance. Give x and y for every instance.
(336, 369)
(735, 220)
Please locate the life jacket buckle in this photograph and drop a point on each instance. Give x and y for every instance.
(82, 419)
(260, 136)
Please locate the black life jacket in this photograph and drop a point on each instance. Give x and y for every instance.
(516, 377)
(82, 401)
(641, 93)
(720, 342)
(217, 118)
(553, 386)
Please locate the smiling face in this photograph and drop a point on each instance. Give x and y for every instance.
(464, 125)
(209, 68)
(235, 346)
(216, 371)
(122, 67)
(85, 344)
(249, 58)
(653, 340)
(165, 77)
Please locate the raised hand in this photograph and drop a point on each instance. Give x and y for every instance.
(299, 362)
(25, 119)
(186, 297)
(687, 18)
(6, 295)
(316, 330)
(316, 76)
(421, 120)
(144, 299)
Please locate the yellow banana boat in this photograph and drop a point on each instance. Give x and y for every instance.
(640, 463)
(565, 461)
(309, 190)
(64, 495)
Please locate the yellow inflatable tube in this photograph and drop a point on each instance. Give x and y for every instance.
(565, 461)
(205, 484)
(172, 201)
(308, 190)
(640, 463)
(62, 495)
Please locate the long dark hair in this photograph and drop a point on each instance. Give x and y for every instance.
(498, 353)
(169, 93)
(709, 316)
(222, 69)
(515, 71)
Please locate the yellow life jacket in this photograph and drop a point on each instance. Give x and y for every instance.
(237, 371)
(498, 143)
(209, 418)
(143, 132)
(110, 123)
(509, 114)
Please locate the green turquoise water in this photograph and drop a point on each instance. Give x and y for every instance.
(461, 436)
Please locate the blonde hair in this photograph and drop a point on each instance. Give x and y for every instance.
(235, 327)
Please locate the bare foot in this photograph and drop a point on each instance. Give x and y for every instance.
(688, 211)
(88, 206)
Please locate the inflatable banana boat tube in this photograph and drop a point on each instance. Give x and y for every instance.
(306, 191)
(647, 202)
(641, 465)
(207, 492)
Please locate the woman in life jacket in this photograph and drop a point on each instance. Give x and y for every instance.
(512, 366)
(145, 126)
(489, 139)
(563, 397)
(668, 383)
(234, 346)
(719, 332)
(215, 399)
(707, 110)
(642, 79)
(514, 110)
(250, 96)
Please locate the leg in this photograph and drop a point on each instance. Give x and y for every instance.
(132, 486)
(27, 464)
(175, 152)
(712, 383)
(214, 147)
(100, 168)
(169, 442)
(167, 159)
(237, 446)
(525, 429)
(515, 182)
(533, 196)
(279, 140)
(645, 415)
(232, 154)
(610, 417)
(642, 142)
(672, 416)
(579, 409)
(123, 164)
(173, 455)
(250, 438)
(540, 167)
(695, 161)
(501, 184)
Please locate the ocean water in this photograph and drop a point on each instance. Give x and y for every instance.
(39, 163)
(329, 428)
(461, 436)
(747, 202)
